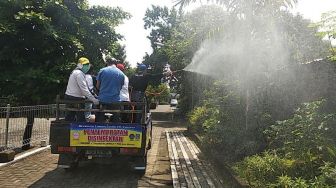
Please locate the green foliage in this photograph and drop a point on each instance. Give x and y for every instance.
(327, 28)
(303, 152)
(306, 136)
(258, 171)
(270, 170)
(221, 120)
(197, 119)
(213, 23)
(297, 29)
(129, 71)
(328, 173)
(285, 181)
(232, 115)
(242, 6)
(160, 21)
(158, 93)
(42, 40)
(193, 28)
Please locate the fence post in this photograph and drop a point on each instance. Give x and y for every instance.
(57, 107)
(7, 125)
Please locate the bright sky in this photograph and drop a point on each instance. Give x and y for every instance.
(135, 35)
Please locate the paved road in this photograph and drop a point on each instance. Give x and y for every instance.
(40, 170)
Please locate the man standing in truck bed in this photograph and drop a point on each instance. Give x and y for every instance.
(138, 84)
(109, 83)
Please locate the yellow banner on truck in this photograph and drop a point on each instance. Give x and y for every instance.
(105, 135)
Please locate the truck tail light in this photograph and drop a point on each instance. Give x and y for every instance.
(65, 149)
(128, 151)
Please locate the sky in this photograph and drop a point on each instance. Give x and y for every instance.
(135, 36)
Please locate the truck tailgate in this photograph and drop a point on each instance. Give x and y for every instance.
(106, 135)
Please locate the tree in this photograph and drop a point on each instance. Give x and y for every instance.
(301, 39)
(161, 21)
(40, 42)
(204, 23)
(248, 7)
(327, 27)
(245, 54)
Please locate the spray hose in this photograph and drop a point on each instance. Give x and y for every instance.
(155, 94)
(159, 93)
(151, 93)
(177, 71)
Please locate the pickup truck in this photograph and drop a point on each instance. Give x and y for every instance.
(101, 141)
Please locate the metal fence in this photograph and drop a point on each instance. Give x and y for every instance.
(25, 126)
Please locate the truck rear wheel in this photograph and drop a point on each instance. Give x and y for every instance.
(140, 164)
(72, 167)
(68, 162)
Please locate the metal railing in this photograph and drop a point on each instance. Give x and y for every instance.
(25, 126)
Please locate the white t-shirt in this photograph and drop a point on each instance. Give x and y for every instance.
(89, 81)
(77, 86)
(124, 94)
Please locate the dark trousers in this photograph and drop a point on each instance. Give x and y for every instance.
(138, 96)
(101, 115)
(125, 117)
(73, 115)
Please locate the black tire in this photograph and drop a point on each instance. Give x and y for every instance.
(69, 160)
(140, 162)
(73, 167)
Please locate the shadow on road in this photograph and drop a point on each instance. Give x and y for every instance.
(91, 175)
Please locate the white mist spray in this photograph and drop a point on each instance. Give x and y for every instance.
(242, 55)
(247, 50)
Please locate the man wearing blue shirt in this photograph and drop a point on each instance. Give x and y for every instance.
(109, 83)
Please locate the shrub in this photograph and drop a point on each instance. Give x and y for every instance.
(288, 182)
(262, 170)
(221, 120)
(302, 154)
(158, 93)
(328, 173)
(270, 170)
(197, 117)
(304, 138)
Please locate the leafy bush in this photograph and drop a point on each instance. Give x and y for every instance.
(221, 120)
(328, 175)
(305, 137)
(288, 182)
(303, 152)
(261, 170)
(197, 117)
(158, 93)
(270, 170)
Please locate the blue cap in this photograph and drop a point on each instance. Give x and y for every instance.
(142, 67)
